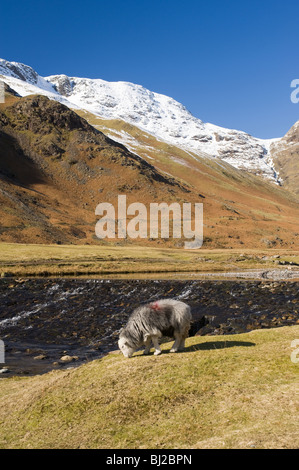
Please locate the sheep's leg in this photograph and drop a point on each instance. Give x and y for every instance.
(183, 337)
(178, 340)
(147, 343)
(156, 345)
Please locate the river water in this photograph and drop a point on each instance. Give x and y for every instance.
(42, 320)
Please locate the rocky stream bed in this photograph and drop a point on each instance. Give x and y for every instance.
(57, 323)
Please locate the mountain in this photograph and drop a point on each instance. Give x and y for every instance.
(57, 166)
(285, 154)
(154, 113)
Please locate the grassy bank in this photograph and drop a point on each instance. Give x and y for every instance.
(60, 260)
(234, 391)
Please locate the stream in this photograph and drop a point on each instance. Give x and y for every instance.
(45, 320)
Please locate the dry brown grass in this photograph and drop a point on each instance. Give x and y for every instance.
(42, 260)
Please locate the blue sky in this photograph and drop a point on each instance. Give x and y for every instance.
(229, 62)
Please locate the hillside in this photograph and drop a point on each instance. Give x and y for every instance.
(285, 155)
(56, 167)
(234, 391)
(233, 199)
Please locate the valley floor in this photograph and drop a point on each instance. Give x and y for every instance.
(25, 260)
(225, 391)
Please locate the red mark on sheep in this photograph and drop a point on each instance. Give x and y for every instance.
(155, 306)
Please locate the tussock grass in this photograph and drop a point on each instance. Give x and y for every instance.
(235, 391)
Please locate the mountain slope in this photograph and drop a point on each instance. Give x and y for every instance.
(285, 155)
(157, 114)
(55, 168)
(235, 200)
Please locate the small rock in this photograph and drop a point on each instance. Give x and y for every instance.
(68, 358)
(40, 357)
(205, 330)
(4, 370)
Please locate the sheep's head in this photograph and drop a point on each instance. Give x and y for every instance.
(126, 348)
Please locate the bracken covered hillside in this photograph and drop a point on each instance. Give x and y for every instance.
(285, 154)
(55, 168)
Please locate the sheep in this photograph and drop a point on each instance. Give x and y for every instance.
(148, 323)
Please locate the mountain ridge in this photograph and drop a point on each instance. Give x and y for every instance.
(157, 114)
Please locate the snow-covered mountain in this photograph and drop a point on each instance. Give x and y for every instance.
(157, 114)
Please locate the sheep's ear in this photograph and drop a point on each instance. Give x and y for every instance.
(121, 330)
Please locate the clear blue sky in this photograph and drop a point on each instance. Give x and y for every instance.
(229, 62)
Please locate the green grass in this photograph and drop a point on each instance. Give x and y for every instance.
(236, 391)
(59, 260)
